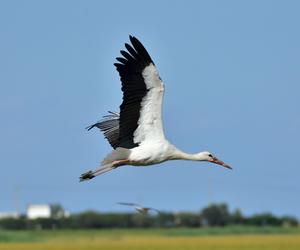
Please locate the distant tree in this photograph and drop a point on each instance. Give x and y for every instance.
(57, 211)
(165, 220)
(237, 217)
(142, 220)
(215, 215)
(289, 221)
(88, 219)
(44, 223)
(187, 219)
(13, 223)
(264, 219)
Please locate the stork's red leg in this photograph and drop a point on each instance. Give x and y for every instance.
(91, 174)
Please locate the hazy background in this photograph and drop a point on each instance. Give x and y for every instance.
(231, 71)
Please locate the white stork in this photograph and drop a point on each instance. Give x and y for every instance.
(139, 208)
(136, 134)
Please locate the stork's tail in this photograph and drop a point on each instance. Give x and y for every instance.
(116, 155)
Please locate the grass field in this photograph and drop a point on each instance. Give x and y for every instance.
(189, 239)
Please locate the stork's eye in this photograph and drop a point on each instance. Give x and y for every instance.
(210, 155)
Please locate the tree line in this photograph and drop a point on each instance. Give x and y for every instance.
(213, 215)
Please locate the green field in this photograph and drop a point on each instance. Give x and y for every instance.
(190, 239)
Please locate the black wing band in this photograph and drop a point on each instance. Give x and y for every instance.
(130, 68)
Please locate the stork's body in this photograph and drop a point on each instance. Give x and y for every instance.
(137, 134)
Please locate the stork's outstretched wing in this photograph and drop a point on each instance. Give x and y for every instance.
(128, 204)
(140, 111)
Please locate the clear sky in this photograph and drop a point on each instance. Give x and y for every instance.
(231, 71)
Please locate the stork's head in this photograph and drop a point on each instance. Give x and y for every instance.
(207, 156)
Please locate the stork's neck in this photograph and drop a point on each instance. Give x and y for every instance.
(180, 155)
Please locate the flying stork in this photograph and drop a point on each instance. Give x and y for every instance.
(136, 133)
(139, 208)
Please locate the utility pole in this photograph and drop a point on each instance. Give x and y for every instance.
(210, 190)
(17, 200)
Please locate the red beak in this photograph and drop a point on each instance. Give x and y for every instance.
(217, 161)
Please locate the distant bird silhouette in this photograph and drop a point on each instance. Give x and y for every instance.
(136, 134)
(139, 208)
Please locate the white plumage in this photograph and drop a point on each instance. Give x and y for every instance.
(150, 126)
(136, 134)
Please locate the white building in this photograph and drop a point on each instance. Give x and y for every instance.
(39, 211)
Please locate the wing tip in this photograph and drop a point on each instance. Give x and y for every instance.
(88, 128)
(136, 53)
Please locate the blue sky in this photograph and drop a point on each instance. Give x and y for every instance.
(231, 71)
